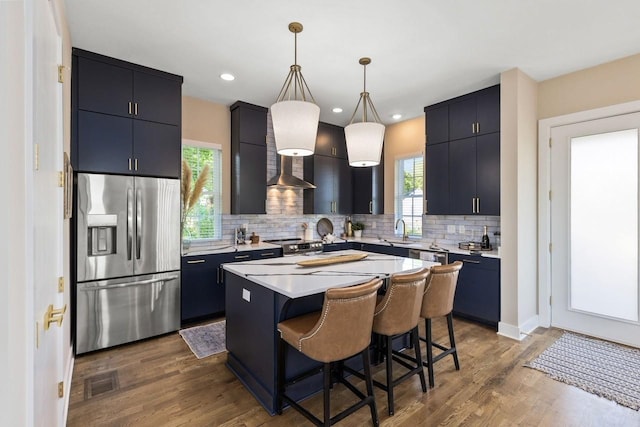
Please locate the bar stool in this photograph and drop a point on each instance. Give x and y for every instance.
(438, 302)
(398, 313)
(341, 330)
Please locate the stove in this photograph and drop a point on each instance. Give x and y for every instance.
(295, 246)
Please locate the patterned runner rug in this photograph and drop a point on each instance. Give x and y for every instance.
(603, 368)
(205, 340)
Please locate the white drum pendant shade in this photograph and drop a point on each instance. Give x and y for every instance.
(364, 143)
(295, 127)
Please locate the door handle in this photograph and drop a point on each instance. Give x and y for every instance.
(477, 204)
(130, 109)
(135, 109)
(138, 223)
(473, 128)
(54, 316)
(473, 205)
(196, 261)
(267, 254)
(477, 127)
(242, 256)
(371, 206)
(470, 261)
(129, 222)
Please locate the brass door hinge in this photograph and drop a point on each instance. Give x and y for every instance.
(549, 194)
(60, 284)
(549, 299)
(61, 389)
(550, 143)
(60, 73)
(550, 247)
(61, 179)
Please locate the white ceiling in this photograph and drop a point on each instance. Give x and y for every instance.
(423, 51)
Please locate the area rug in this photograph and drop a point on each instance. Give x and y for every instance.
(205, 340)
(603, 368)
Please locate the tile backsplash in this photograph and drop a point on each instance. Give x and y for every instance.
(285, 216)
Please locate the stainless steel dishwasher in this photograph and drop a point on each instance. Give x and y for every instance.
(433, 255)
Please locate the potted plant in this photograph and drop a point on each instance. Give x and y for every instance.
(357, 228)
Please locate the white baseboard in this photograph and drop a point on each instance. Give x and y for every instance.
(68, 375)
(518, 333)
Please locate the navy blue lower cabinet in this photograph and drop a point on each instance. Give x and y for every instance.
(384, 248)
(478, 291)
(202, 287)
(203, 281)
(339, 246)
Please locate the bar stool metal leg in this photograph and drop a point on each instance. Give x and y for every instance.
(452, 341)
(427, 324)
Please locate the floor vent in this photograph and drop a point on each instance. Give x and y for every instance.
(100, 384)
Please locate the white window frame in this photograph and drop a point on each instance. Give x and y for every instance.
(398, 182)
(217, 189)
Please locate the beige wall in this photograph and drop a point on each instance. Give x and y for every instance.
(612, 83)
(400, 139)
(518, 203)
(209, 122)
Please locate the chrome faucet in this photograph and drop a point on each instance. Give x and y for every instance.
(405, 236)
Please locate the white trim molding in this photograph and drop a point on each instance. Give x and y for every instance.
(518, 332)
(544, 186)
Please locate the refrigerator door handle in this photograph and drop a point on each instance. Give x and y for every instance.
(138, 222)
(85, 287)
(129, 222)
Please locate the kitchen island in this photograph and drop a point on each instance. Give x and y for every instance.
(261, 293)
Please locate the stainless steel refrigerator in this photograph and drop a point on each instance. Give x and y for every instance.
(128, 259)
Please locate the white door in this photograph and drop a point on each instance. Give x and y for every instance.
(47, 203)
(594, 228)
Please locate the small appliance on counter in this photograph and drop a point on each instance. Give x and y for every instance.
(296, 246)
(241, 236)
(474, 246)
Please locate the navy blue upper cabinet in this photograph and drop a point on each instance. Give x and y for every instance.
(437, 174)
(477, 113)
(437, 124)
(463, 173)
(331, 141)
(248, 158)
(368, 189)
(104, 87)
(126, 118)
(328, 169)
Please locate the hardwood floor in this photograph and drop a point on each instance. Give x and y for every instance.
(159, 382)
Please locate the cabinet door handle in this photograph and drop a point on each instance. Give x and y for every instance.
(371, 206)
(196, 261)
(135, 109)
(242, 256)
(135, 162)
(426, 206)
(477, 204)
(130, 110)
(471, 261)
(129, 163)
(477, 127)
(267, 254)
(473, 205)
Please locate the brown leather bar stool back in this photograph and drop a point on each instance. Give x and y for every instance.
(438, 302)
(398, 313)
(341, 330)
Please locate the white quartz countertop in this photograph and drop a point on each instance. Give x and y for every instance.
(220, 248)
(417, 244)
(284, 276)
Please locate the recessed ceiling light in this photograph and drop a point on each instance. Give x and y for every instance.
(227, 77)
(397, 116)
(337, 110)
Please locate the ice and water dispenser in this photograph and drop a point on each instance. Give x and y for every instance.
(102, 232)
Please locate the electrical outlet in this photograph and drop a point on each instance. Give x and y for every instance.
(451, 229)
(373, 224)
(461, 229)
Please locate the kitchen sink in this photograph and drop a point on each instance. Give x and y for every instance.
(400, 242)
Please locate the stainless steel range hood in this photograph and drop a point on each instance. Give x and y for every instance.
(285, 177)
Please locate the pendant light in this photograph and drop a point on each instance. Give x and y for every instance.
(364, 139)
(295, 115)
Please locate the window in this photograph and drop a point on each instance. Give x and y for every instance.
(204, 220)
(409, 197)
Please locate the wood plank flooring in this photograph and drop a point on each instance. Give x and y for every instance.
(159, 382)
